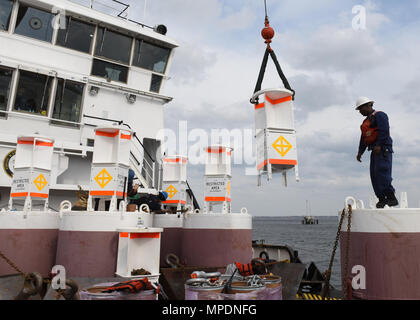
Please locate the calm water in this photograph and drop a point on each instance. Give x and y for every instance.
(313, 242)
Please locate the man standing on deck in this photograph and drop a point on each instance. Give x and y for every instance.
(376, 138)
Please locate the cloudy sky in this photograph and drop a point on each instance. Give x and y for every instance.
(326, 61)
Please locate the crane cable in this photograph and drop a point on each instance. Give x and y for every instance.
(267, 34)
(265, 7)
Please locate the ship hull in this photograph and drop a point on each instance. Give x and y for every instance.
(28, 240)
(88, 253)
(88, 241)
(31, 250)
(216, 247)
(217, 239)
(206, 239)
(384, 254)
(171, 241)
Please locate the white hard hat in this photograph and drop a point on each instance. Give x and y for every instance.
(361, 101)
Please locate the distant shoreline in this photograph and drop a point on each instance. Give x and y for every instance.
(299, 216)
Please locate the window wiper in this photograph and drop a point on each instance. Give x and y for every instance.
(103, 40)
(138, 55)
(68, 29)
(43, 94)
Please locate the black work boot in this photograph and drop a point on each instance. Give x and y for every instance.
(382, 202)
(391, 200)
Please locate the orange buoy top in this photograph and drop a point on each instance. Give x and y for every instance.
(267, 32)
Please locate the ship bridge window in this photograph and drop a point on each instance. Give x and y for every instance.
(155, 83)
(151, 57)
(5, 81)
(112, 45)
(68, 100)
(5, 13)
(33, 92)
(77, 35)
(34, 23)
(109, 71)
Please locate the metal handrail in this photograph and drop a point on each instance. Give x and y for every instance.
(145, 171)
(40, 117)
(140, 151)
(195, 202)
(119, 15)
(146, 166)
(135, 159)
(99, 118)
(138, 140)
(121, 122)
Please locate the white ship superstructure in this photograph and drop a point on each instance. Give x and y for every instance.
(66, 69)
(81, 97)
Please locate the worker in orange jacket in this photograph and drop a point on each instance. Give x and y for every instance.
(376, 138)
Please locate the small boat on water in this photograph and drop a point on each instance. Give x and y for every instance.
(308, 219)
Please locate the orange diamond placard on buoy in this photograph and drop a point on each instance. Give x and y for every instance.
(103, 178)
(282, 146)
(40, 182)
(171, 191)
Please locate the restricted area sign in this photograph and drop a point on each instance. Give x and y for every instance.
(33, 183)
(217, 189)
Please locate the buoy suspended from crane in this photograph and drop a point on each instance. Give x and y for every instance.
(274, 120)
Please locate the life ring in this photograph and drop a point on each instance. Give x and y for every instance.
(7, 163)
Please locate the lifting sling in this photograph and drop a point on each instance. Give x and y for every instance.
(268, 33)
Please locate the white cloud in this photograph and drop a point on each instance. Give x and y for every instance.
(191, 64)
(242, 19)
(331, 49)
